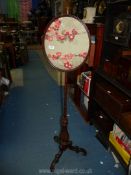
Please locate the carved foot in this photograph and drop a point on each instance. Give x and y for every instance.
(56, 160)
(78, 150)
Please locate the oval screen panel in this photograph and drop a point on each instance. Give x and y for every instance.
(66, 43)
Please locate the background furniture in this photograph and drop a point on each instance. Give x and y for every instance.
(111, 84)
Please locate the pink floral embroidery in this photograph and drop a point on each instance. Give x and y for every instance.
(67, 56)
(68, 65)
(49, 38)
(60, 37)
(71, 37)
(57, 24)
(58, 54)
(54, 57)
(74, 32)
(71, 56)
(63, 57)
(67, 33)
(53, 30)
(50, 29)
(83, 54)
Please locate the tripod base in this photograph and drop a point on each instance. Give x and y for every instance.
(62, 149)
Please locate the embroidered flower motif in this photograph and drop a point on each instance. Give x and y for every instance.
(83, 54)
(54, 57)
(67, 65)
(74, 32)
(67, 56)
(58, 54)
(63, 57)
(57, 24)
(49, 38)
(67, 33)
(60, 37)
(50, 29)
(71, 55)
(71, 37)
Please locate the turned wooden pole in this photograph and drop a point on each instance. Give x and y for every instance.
(64, 135)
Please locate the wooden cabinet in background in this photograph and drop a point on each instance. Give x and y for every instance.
(110, 95)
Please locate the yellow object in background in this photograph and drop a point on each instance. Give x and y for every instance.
(124, 154)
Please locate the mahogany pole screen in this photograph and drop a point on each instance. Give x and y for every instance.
(66, 43)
